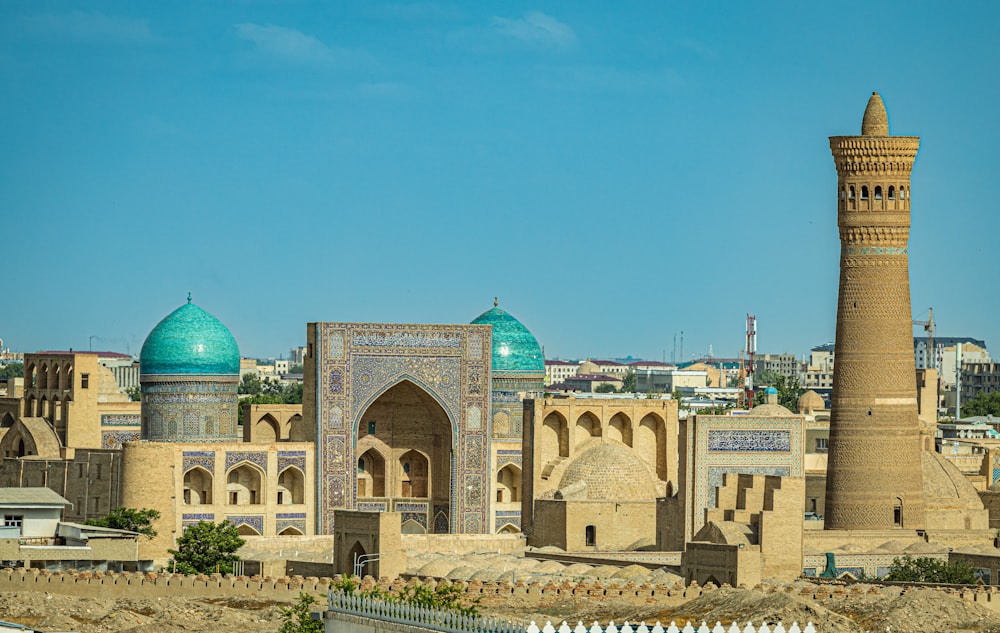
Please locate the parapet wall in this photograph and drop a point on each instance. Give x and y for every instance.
(490, 594)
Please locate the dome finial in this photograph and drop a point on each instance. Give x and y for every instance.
(496, 301)
(189, 297)
(875, 121)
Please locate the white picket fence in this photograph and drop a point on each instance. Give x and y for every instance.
(658, 628)
(451, 622)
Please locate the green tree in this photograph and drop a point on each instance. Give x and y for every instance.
(13, 370)
(250, 384)
(789, 390)
(926, 569)
(296, 369)
(298, 617)
(605, 388)
(983, 404)
(206, 548)
(679, 397)
(120, 518)
(134, 393)
(628, 383)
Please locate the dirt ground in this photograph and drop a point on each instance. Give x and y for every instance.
(916, 610)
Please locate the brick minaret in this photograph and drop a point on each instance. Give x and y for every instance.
(874, 475)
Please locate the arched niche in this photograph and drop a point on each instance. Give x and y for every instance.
(620, 428)
(587, 428)
(651, 443)
(371, 474)
(291, 486)
(244, 485)
(554, 437)
(266, 429)
(198, 486)
(509, 484)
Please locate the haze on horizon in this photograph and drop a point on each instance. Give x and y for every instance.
(614, 174)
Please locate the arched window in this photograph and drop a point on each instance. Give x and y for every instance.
(852, 192)
(902, 193)
(864, 192)
(878, 192)
(897, 513)
(413, 475)
(590, 536)
(892, 192)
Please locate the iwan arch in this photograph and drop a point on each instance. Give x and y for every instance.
(423, 420)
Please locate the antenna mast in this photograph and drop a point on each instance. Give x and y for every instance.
(748, 360)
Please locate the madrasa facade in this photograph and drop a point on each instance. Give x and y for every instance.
(419, 419)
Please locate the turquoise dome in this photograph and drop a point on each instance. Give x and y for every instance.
(771, 391)
(190, 341)
(515, 350)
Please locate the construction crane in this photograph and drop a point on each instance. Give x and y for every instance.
(928, 326)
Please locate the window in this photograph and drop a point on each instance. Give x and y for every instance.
(371, 427)
(13, 520)
(864, 192)
(84, 381)
(892, 192)
(591, 535)
(897, 513)
(878, 192)
(821, 443)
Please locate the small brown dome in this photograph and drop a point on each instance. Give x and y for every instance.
(810, 401)
(876, 121)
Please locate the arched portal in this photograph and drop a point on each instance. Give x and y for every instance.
(554, 437)
(404, 444)
(353, 555)
(266, 429)
(651, 443)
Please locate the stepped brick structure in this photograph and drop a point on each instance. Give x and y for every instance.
(874, 474)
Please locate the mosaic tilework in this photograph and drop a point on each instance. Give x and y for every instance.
(373, 506)
(419, 517)
(192, 409)
(254, 457)
(121, 419)
(474, 347)
(292, 458)
(205, 459)
(873, 565)
(412, 506)
(377, 356)
(440, 519)
(115, 439)
(280, 525)
(708, 466)
(198, 517)
(256, 521)
(507, 517)
(505, 457)
(474, 418)
(743, 440)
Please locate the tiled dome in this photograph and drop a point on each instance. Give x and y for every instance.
(190, 341)
(515, 350)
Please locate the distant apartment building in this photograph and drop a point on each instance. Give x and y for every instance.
(979, 378)
(667, 380)
(123, 366)
(818, 373)
(557, 371)
(782, 364)
(296, 355)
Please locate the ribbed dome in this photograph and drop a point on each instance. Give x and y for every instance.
(876, 121)
(190, 341)
(515, 349)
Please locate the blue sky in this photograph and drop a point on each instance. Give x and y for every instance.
(616, 173)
